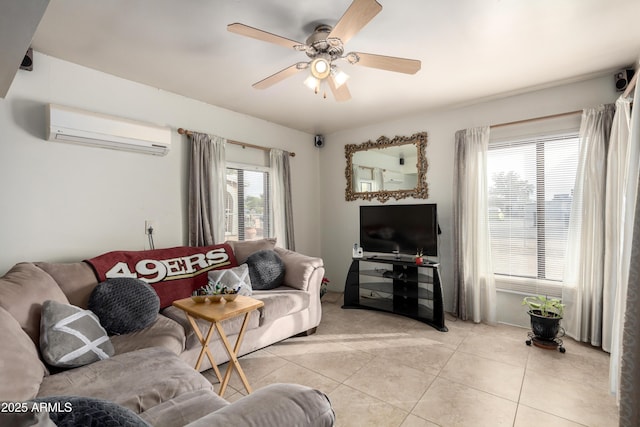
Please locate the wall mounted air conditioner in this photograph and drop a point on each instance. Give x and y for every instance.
(66, 124)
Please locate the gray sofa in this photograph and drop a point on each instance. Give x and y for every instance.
(151, 372)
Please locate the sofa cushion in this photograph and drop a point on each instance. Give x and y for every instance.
(184, 409)
(298, 268)
(124, 305)
(86, 411)
(233, 278)
(242, 249)
(137, 380)
(20, 367)
(266, 270)
(275, 405)
(76, 279)
(281, 302)
(23, 290)
(164, 332)
(71, 336)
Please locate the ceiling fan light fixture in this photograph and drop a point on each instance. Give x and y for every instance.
(339, 77)
(312, 83)
(320, 68)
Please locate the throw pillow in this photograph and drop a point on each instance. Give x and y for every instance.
(233, 278)
(88, 411)
(124, 305)
(266, 270)
(72, 337)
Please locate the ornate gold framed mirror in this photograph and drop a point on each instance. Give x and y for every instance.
(387, 168)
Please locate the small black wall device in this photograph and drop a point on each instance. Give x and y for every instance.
(623, 78)
(318, 141)
(27, 61)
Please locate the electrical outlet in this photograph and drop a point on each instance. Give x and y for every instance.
(149, 223)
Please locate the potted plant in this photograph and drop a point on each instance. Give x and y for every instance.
(545, 314)
(323, 286)
(419, 257)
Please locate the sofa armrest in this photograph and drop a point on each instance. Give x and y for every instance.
(299, 268)
(275, 405)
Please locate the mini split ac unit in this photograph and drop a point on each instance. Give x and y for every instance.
(65, 124)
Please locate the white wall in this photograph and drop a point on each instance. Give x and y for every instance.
(63, 202)
(340, 218)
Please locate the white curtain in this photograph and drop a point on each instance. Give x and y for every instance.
(625, 369)
(474, 283)
(280, 180)
(583, 278)
(207, 188)
(622, 184)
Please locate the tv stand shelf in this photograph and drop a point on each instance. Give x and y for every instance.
(396, 286)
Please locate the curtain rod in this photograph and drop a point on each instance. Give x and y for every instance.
(552, 116)
(183, 131)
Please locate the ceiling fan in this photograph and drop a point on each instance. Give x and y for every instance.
(326, 46)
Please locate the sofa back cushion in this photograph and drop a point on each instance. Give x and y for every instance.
(243, 249)
(23, 290)
(76, 279)
(20, 367)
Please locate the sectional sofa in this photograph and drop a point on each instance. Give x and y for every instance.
(150, 372)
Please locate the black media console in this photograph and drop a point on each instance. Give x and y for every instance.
(397, 286)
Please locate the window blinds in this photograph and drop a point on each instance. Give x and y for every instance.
(530, 193)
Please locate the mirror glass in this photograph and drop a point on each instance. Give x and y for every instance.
(387, 168)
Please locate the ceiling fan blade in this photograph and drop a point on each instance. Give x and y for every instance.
(340, 93)
(277, 77)
(389, 63)
(354, 19)
(245, 30)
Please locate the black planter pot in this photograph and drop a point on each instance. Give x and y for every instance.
(544, 328)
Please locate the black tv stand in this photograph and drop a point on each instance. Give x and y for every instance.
(408, 289)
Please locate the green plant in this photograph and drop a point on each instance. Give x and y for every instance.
(548, 307)
(214, 288)
(419, 253)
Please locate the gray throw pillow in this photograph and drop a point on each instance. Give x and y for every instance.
(72, 337)
(124, 305)
(233, 278)
(266, 270)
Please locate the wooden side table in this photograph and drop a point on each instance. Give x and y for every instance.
(215, 313)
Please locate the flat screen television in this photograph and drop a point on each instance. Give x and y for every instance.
(401, 229)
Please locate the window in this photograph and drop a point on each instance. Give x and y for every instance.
(530, 192)
(247, 203)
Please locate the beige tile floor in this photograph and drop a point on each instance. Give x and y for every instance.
(381, 369)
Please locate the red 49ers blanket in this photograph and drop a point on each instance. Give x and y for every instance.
(174, 273)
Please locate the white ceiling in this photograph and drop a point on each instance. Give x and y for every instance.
(470, 50)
